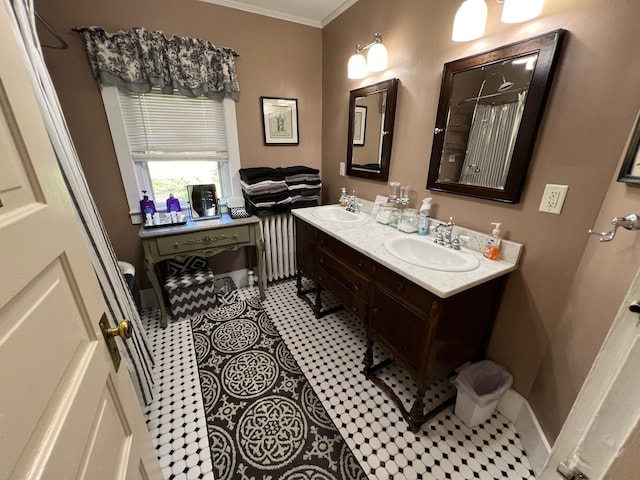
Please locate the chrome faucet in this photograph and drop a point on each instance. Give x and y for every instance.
(352, 204)
(439, 240)
(448, 232)
(446, 238)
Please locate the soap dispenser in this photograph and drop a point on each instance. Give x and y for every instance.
(344, 198)
(173, 204)
(147, 208)
(492, 248)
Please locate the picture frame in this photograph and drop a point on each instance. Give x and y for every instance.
(359, 125)
(630, 171)
(279, 120)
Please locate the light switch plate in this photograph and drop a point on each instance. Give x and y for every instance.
(343, 169)
(553, 198)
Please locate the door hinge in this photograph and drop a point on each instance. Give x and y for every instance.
(570, 473)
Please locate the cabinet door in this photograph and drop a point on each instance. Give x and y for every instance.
(401, 331)
(306, 239)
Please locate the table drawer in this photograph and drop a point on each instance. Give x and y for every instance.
(189, 242)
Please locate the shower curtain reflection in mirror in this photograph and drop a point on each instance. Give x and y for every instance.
(494, 129)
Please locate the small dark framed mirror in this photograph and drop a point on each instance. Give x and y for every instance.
(630, 171)
(488, 115)
(372, 112)
(203, 201)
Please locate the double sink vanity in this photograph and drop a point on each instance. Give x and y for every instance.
(429, 308)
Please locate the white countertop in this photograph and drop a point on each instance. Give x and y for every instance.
(368, 237)
(194, 226)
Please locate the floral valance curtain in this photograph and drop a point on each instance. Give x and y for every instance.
(138, 60)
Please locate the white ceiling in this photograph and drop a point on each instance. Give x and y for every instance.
(315, 13)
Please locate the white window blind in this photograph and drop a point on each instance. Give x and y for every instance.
(169, 127)
(166, 141)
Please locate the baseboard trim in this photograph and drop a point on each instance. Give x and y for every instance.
(513, 406)
(239, 277)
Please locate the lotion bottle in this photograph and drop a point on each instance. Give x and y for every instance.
(492, 248)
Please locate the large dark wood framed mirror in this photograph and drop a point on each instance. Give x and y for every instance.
(488, 115)
(630, 171)
(372, 111)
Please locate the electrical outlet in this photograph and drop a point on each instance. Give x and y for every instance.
(553, 198)
(343, 169)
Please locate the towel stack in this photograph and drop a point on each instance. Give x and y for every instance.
(272, 190)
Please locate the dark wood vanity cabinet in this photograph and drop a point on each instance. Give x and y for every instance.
(427, 335)
(306, 239)
(345, 272)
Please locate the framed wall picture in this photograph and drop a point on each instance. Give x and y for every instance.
(279, 120)
(359, 125)
(630, 171)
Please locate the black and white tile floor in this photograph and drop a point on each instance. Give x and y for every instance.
(330, 352)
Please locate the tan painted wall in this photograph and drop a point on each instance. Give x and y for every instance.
(558, 306)
(277, 59)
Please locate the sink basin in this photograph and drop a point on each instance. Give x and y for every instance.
(423, 252)
(334, 213)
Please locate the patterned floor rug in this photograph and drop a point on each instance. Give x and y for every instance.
(263, 417)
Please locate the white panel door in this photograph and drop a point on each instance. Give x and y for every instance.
(65, 412)
(597, 439)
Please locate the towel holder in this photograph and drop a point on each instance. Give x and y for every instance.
(630, 222)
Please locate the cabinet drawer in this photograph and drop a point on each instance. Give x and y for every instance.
(306, 232)
(201, 240)
(353, 303)
(346, 254)
(349, 278)
(410, 293)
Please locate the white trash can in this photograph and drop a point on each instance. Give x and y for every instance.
(480, 388)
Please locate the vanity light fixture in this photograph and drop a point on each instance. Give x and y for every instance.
(471, 18)
(516, 11)
(376, 60)
(470, 21)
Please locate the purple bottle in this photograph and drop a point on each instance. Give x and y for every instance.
(147, 207)
(173, 204)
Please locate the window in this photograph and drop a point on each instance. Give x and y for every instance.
(166, 142)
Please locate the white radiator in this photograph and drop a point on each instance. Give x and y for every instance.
(278, 233)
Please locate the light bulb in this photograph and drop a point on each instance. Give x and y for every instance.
(470, 21)
(377, 58)
(516, 11)
(357, 67)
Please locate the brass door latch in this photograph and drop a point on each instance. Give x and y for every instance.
(123, 330)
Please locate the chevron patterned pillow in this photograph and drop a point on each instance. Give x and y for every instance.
(189, 264)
